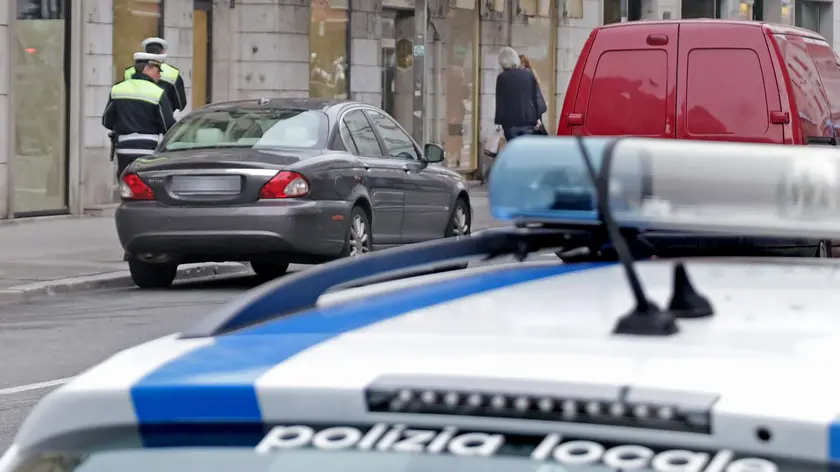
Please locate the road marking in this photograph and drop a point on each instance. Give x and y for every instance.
(34, 386)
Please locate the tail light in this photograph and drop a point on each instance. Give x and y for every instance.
(132, 187)
(285, 185)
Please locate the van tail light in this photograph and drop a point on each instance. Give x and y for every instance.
(285, 185)
(132, 187)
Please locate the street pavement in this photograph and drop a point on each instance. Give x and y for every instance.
(50, 339)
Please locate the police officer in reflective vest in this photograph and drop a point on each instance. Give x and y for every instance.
(138, 112)
(170, 77)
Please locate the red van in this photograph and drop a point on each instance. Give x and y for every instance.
(707, 79)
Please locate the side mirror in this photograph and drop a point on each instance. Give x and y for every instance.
(433, 153)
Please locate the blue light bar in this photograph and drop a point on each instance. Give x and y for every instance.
(673, 185)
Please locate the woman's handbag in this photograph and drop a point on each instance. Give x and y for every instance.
(492, 147)
(494, 143)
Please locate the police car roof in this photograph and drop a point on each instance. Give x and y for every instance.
(531, 329)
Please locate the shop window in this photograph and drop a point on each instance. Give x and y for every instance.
(134, 21)
(459, 66)
(616, 11)
(329, 48)
(701, 8)
(40, 74)
(787, 12)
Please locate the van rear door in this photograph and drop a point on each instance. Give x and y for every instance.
(628, 83)
(727, 87)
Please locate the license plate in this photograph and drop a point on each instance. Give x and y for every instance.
(206, 184)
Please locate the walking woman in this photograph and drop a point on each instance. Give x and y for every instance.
(519, 102)
(525, 63)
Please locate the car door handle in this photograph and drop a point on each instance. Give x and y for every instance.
(367, 168)
(406, 169)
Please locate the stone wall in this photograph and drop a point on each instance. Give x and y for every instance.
(495, 33)
(261, 49)
(98, 184)
(365, 55)
(5, 109)
(572, 34)
(177, 31)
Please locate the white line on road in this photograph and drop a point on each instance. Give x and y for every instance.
(34, 386)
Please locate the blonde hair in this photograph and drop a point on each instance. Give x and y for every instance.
(508, 58)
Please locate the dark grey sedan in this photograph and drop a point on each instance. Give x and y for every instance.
(280, 181)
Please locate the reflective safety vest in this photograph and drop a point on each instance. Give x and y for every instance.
(137, 89)
(167, 73)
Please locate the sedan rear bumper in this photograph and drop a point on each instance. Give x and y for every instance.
(301, 230)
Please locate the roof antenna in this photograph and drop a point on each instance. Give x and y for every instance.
(646, 318)
(686, 301)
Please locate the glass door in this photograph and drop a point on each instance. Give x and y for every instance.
(41, 74)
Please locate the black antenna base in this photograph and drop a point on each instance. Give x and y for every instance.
(647, 320)
(686, 302)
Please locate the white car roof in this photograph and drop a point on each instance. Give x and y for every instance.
(763, 361)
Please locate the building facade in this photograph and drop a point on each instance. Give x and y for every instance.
(430, 63)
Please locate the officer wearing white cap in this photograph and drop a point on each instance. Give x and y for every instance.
(138, 112)
(170, 76)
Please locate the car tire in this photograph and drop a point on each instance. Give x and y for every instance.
(269, 270)
(358, 238)
(150, 275)
(460, 220)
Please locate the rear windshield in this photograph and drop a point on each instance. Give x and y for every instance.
(384, 448)
(249, 128)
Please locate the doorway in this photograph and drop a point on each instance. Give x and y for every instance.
(202, 51)
(41, 109)
(397, 66)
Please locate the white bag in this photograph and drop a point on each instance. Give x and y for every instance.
(494, 143)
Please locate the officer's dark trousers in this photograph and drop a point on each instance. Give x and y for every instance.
(132, 146)
(123, 161)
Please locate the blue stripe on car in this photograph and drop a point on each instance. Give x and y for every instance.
(216, 383)
(834, 441)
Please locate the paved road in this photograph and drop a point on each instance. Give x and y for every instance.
(44, 342)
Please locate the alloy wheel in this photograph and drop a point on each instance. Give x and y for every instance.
(460, 222)
(358, 237)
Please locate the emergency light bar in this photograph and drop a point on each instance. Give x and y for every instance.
(564, 402)
(672, 185)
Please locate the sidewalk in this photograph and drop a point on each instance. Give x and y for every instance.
(45, 256)
(55, 248)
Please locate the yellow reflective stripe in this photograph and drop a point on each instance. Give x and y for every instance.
(132, 96)
(129, 73)
(135, 89)
(169, 73)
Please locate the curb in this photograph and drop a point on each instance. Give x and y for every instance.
(25, 293)
(107, 210)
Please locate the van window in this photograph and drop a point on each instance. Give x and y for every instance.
(719, 103)
(826, 61)
(628, 94)
(814, 114)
